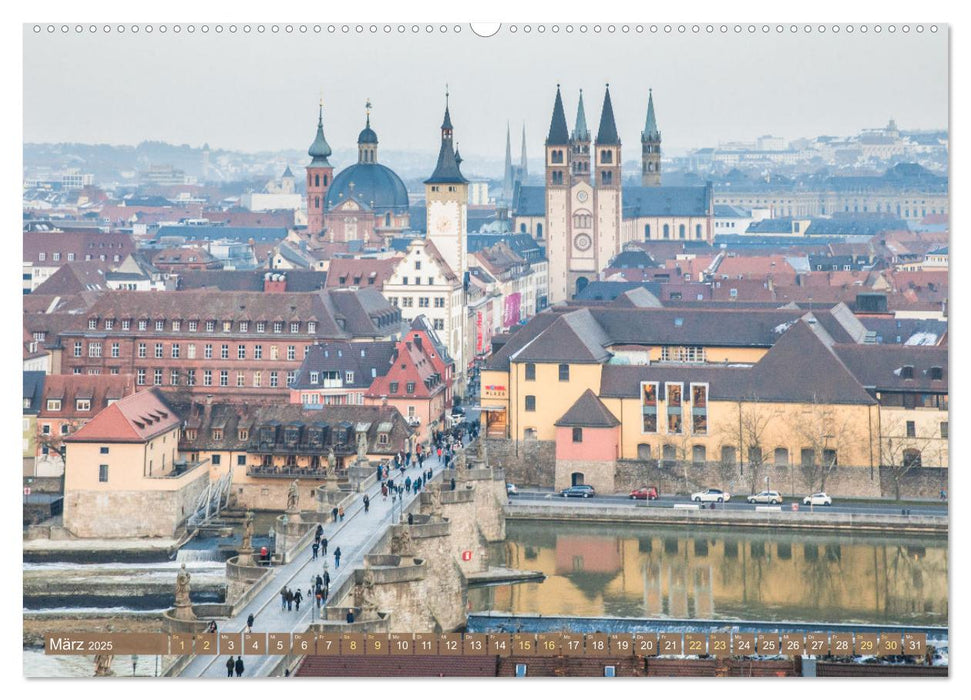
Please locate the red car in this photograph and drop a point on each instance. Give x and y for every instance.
(646, 493)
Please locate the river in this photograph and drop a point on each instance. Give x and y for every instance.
(722, 574)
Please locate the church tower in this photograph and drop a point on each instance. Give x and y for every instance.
(523, 166)
(650, 148)
(558, 232)
(508, 178)
(446, 200)
(580, 146)
(607, 187)
(367, 141)
(320, 173)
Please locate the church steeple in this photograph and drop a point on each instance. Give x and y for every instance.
(650, 147)
(320, 150)
(523, 167)
(580, 145)
(559, 135)
(447, 168)
(607, 134)
(607, 146)
(320, 174)
(507, 178)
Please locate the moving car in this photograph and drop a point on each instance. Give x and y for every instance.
(710, 496)
(511, 490)
(817, 499)
(765, 497)
(578, 491)
(645, 493)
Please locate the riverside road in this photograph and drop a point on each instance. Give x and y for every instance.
(875, 507)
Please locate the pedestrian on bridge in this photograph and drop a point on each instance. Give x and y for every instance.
(230, 667)
(239, 666)
(384, 492)
(337, 558)
(323, 546)
(367, 503)
(289, 600)
(297, 597)
(314, 548)
(340, 513)
(334, 513)
(283, 598)
(408, 484)
(249, 623)
(319, 533)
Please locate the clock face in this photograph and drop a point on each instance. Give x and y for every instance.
(581, 196)
(582, 242)
(443, 225)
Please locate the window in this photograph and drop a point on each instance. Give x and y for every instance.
(274, 352)
(697, 230)
(92, 324)
(578, 435)
(410, 388)
(157, 376)
(674, 407)
(530, 372)
(207, 351)
(698, 455)
(216, 459)
(278, 326)
(207, 377)
(174, 377)
(257, 352)
(191, 351)
(911, 429)
(176, 351)
(176, 326)
(190, 378)
(160, 325)
(94, 349)
(140, 377)
(42, 257)
(274, 379)
(159, 351)
(667, 231)
(669, 454)
(530, 403)
(438, 324)
(53, 404)
(244, 326)
(439, 302)
(261, 326)
(193, 326)
(295, 327)
(115, 350)
(781, 457)
(224, 377)
(77, 348)
(142, 351)
(349, 377)
(564, 371)
(649, 407)
(699, 409)
(240, 379)
(227, 326)
(944, 429)
(143, 325)
(241, 460)
(224, 352)
(290, 377)
(393, 388)
(104, 450)
(257, 379)
(911, 458)
(423, 302)
(103, 473)
(291, 352)
(56, 257)
(210, 326)
(311, 326)
(418, 264)
(83, 404)
(407, 301)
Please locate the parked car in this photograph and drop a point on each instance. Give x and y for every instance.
(511, 490)
(766, 497)
(578, 491)
(817, 499)
(710, 496)
(645, 493)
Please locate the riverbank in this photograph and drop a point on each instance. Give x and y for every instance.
(38, 625)
(802, 519)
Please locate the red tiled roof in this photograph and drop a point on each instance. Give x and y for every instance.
(360, 272)
(98, 388)
(135, 418)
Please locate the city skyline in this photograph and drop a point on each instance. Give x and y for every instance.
(701, 100)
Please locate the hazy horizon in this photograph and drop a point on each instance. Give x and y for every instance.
(256, 93)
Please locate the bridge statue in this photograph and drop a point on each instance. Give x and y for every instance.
(248, 532)
(364, 593)
(362, 446)
(401, 541)
(102, 665)
(293, 497)
(331, 463)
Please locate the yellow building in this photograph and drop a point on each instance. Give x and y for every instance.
(723, 398)
(123, 476)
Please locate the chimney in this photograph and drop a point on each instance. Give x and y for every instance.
(274, 283)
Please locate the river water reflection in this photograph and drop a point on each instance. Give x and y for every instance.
(650, 571)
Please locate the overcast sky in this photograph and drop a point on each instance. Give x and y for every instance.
(257, 92)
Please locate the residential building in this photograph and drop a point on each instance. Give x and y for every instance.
(32, 398)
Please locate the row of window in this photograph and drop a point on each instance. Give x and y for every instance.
(808, 457)
(81, 405)
(95, 349)
(911, 427)
(189, 377)
(417, 280)
(315, 399)
(210, 326)
(71, 257)
(423, 302)
(666, 231)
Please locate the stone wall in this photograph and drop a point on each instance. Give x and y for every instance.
(271, 494)
(123, 514)
(526, 462)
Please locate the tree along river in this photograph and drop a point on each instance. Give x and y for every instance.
(718, 573)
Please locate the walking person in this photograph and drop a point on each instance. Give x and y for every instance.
(315, 547)
(384, 492)
(249, 623)
(340, 512)
(367, 503)
(408, 484)
(239, 666)
(283, 598)
(289, 600)
(297, 597)
(323, 546)
(334, 512)
(337, 558)
(230, 667)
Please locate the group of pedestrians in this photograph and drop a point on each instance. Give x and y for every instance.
(236, 666)
(290, 599)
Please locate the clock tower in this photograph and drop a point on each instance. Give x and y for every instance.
(446, 202)
(320, 174)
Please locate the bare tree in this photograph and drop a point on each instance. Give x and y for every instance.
(825, 433)
(900, 454)
(54, 441)
(748, 437)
